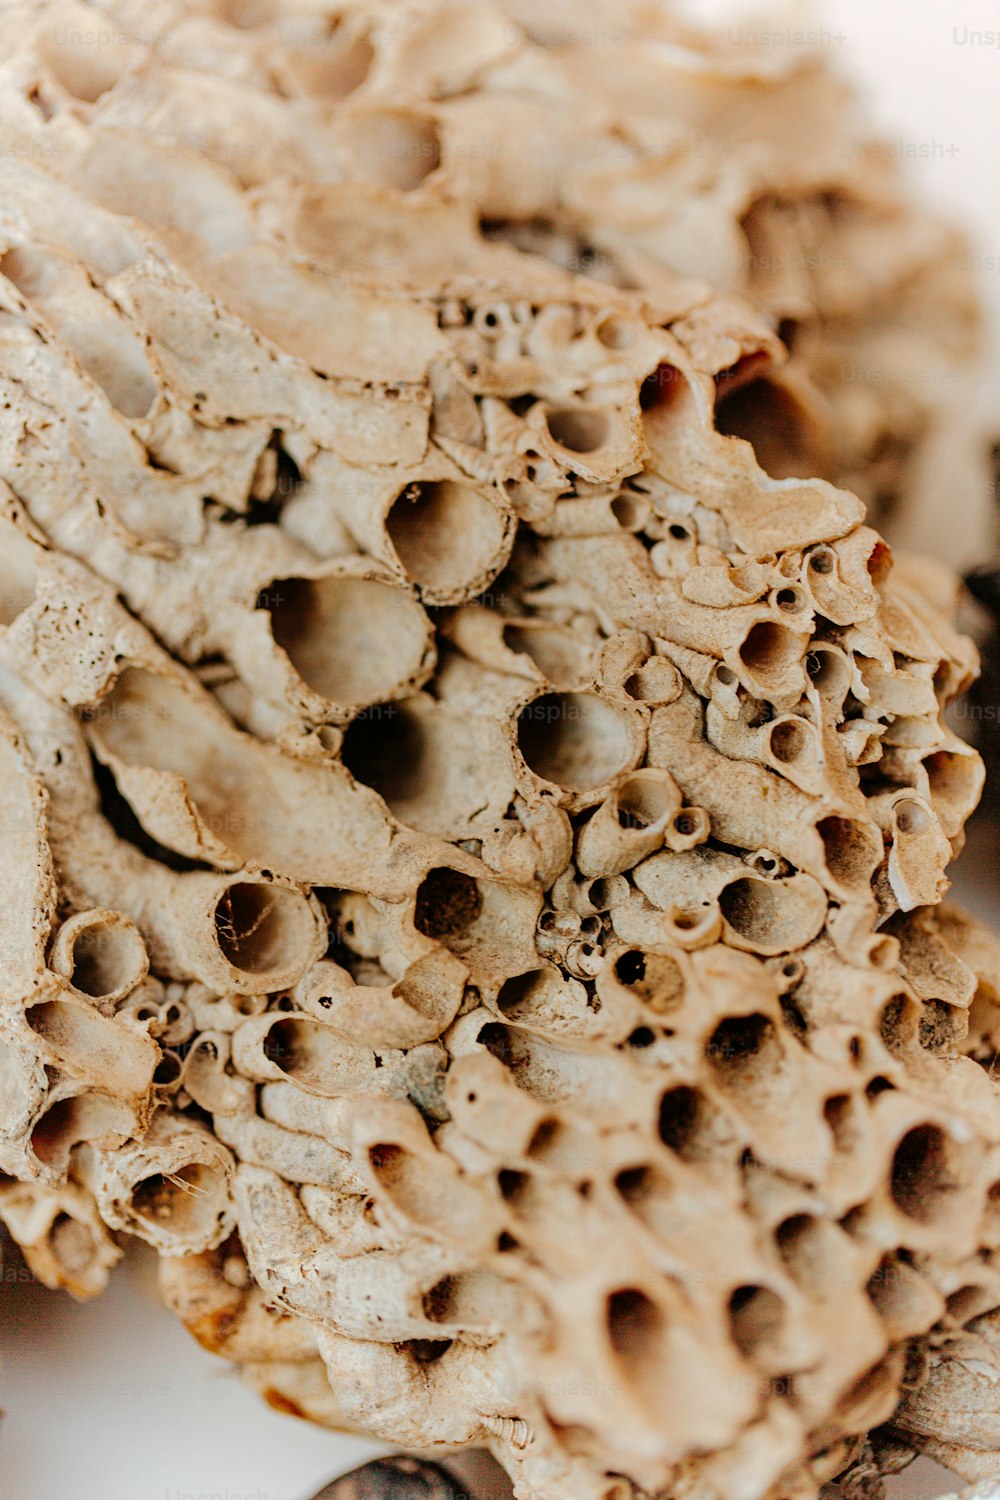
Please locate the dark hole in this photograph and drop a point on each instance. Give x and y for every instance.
(631, 967)
(123, 820)
(682, 1112)
(923, 1176)
(381, 747)
(427, 1351)
(512, 1185)
(658, 388)
(634, 1183)
(448, 903)
(738, 1040)
(496, 1038)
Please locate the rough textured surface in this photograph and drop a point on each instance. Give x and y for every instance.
(473, 817)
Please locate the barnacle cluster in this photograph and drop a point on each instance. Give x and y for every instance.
(475, 791)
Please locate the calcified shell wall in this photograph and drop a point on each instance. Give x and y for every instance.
(473, 822)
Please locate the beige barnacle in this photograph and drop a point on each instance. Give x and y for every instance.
(172, 1189)
(61, 1235)
(102, 954)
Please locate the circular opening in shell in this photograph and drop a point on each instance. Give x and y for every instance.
(108, 960)
(71, 1243)
(925, 1176)
(637, 1332)
(448, 904)
(756, 1321)
(745, 1052)
(643, 802)
(183, 1202)
(447, 536)
(263, 929)
(577, 741)
(789, 741)
(354, 640)
(852, 851)
(785, 441)
(335, 70)
(771, 915)
(770, 652)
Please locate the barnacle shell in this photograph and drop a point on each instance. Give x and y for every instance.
(475, 789)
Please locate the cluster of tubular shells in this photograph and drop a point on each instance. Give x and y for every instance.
(473, 824)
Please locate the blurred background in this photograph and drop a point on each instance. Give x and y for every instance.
(113, 1400)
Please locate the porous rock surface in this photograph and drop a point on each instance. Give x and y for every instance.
(474, 820)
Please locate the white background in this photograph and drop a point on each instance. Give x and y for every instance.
(113, 1400)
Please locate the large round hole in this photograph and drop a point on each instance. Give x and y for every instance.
(659, 390)
(71, 1243)
(911, 817)
(523, 992)
(616, 333)
(770, 652)
(447, 536)
(385, 749)
(785, 443)
(108, 960)
(745, 1051)
(430, 766)
(354, 640)
(332, 71)
(643, 802)
(925, 1176)
(852, 850)
(448, 904)
(815, 1253)
(772, 915)
(575, 740)
(86, 1117)
(688, 1123)
(263, 929)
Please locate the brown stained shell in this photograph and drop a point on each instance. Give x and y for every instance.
(475, 792)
